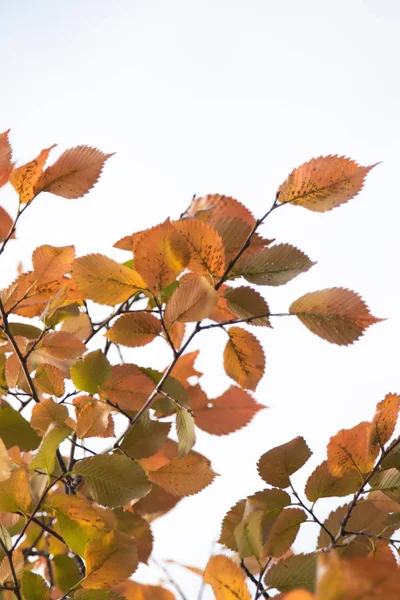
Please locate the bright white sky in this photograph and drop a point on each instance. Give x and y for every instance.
(224, 96)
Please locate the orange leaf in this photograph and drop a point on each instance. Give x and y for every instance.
(276, 465)
(247, 303)
(134, 329)
(79, 325)
(226, 578)
(214, 206)
(244, 359)
(222, 313)
(322, 484)
(6, 165)
(349, 450)
(299, 595)
(323, 183)
(93, 420)
(74, 173)
(47, 412)
(205, 245)
(105, 281)
(231, 411)
(184, 368)
(49, 380)
(177, 333)
(139, 591)
(58, 345)
(337, 315)
(385, 419)
(51, 262)
(184, 476)
(24, 179)
(192, 301)
(284, 531)
(160, 256)
(109, 560)
(128, 387)
(275, 265)
(6, 223)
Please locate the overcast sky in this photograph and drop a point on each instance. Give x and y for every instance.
(224, 96)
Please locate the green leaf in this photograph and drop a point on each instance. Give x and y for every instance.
(46, 455)
(295, 571)
(66, 572)
(276, 465)
(25, 330)
(146, 438)
(16, 431)
(185, 431)
(34, 586)
(97, 595)
(387, 481)
(91, 372)
(73, 533)
(392, 459)
(248, 535)
(5, 538)
(113, 480)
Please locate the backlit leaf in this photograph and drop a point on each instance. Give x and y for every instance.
(6, 221)
(137, 527)
(231, 411)
(247, 303)
(128, 387)
(276, 465)
(385, 419)
(92, 419)
(34, 586)
(184, 368)
(15, 493)
(192, 301)
(226, 578)
(185, 431)
(105, 281)
(284, 531)
(60, 349)
(139, 591)
(24, 178)
(184, 476)
(213, 207)
(244, 359)
(160, 256)
(74, 173)
(292, 572)
(322, 484)
(90, 373)
(97, 595)
(16, 431)
(349, 450)
(145, 438)
(47, 412)
(49, 380)
(337, 315)
(206, 248)
(134, 329)
(232, 518)
(387, 481)
(109, 560)
(323, 183)
(51, 262)
(275, 265)
(45, 457)
(5, 462)
(370, 579)
(6, 164)
(248, 535)
(113, 480)
(78, 325)
(66, 572)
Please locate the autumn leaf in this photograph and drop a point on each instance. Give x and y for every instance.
(109, 560)
(49, 380)
(128, 387)
(51, 262)
(134, 329)
(275, 265)
(73, 174)
(60, 349)
(46, 412)
(6, 223)
(139, 591)
(337, 315)
(93, 419)
(185, 431)
(16, 431)
(5, 462)
(212, 207)
(184, 476)
(146, 438)
(232, 518)
(247, 303)
(15, 492)
(276, 465)
(192, 301)
(206, 248)
(226, 578)
(248, 534)
(244, 359)
(79, 325)
(45, 457)
(184, 368)
(24, 178)
(231, 411)
(6, 164)
(349, 450)
(136, 526)
(284, 531)
(322, 484)
(292, 572)
(34, 586)
(323, 183)
(91, 372)
(384, 421)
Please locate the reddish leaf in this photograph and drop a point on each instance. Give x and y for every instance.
(276, 465)
(6, 164)
(128, 387)
(205, 245)
(192, 301)
(225, 414)
(385, 419)
(24, 179)
(323, 183)
(6, 223)
(134, 329)
(177, 333)
(184, 476)
(74, 173)
(138, 591)
(337, 315)
(244, 359)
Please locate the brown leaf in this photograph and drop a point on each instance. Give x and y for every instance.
(323, 183)
(244, 359)
(322, 484)
(337, 315)
(226, 578)
(74, 173)
(24, 178)
(231, 411)
(222, 313)
(6, 164)
(58, 348)
(51, 262)
(128, 387)
(206, 248)
(276, 465)
(134, 329)
(6, 223)
(184, 476)
(157, 502)
(160, 256)
(247, 303)
(192, 301)
(232, 518)
(79, 325)
(177, 333)
(385, 419)
(275, 265)
(349, 450)
(284, 531)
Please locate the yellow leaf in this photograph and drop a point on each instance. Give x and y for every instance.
(92, 420)
(244, 359)
(24, 179)
(105, 281)
(192, 301)
(139, 591)
(74, 173)
(5, 462)
(109, 560)
(15, 493)
(226, 578)
(337, 315)
(323, 183)
(349, 450)
(205, 245)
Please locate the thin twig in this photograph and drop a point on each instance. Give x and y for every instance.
(312, 514)
(261, 589)
(170, 579)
